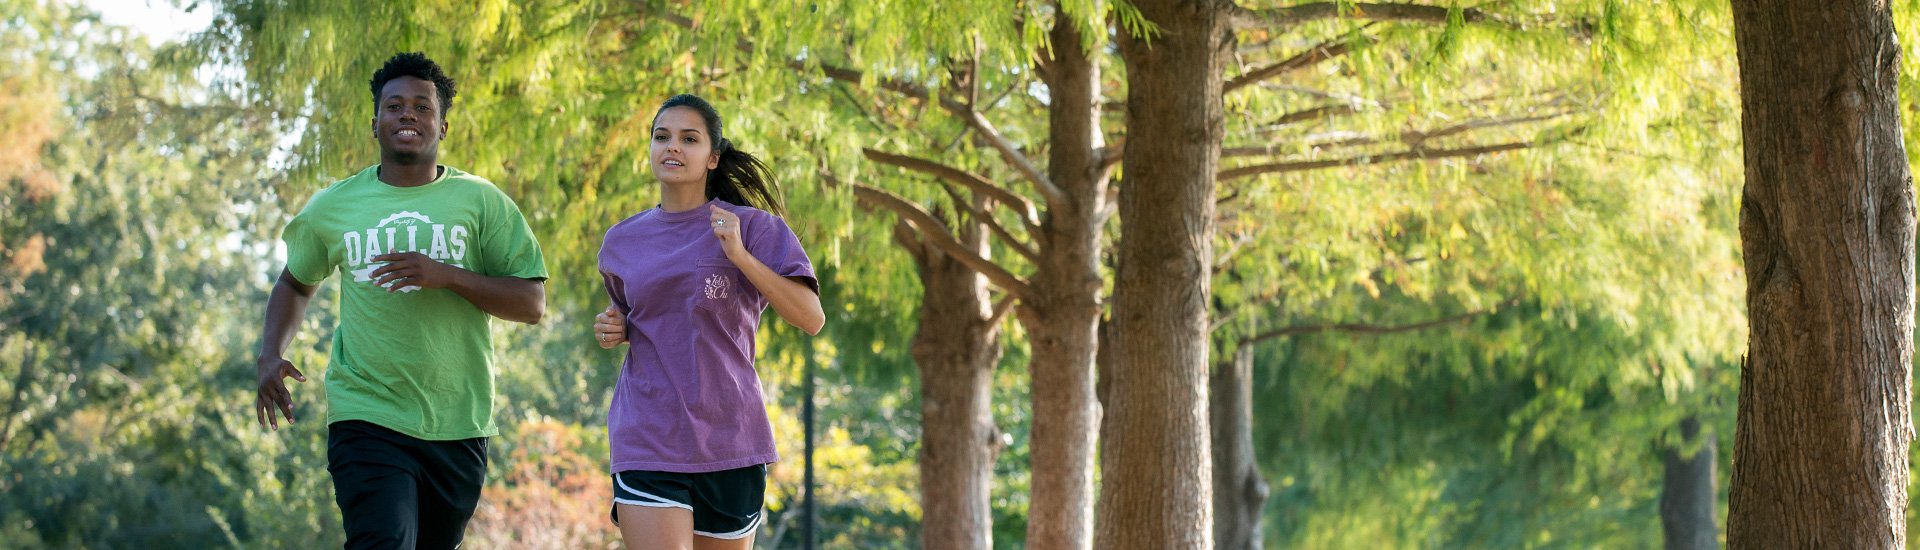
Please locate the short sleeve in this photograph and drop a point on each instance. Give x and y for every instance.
(616, 291)
(509, 249)
(307, 257)
(774, 244)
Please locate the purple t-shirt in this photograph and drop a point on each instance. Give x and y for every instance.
(688, 399)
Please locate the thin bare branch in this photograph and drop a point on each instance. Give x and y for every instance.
(1000, 309)
(1018, 245)
(1294, 15)
(1227, 257)
(1223, 314)
(1267, 150)
(1110, 155)
(864, 113)
(1334, 97)
(979, 211)
(1012, 155)
(1412, 138)
(978, 183)
(1416, 138)
(905, 236)
(1320, 53)
(1414, 154)
(1110, 203)
(933, 232)
(1316, 113)
(1358, 328)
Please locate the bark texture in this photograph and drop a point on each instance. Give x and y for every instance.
(1156, 481)
(1827, 228)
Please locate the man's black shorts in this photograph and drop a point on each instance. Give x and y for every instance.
(725, 504)
(396, 491)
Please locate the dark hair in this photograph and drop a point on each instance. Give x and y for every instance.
(414, 64)
(740, 178)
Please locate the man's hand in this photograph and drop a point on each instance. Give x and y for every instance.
(610, 328)
(405, 269)
(273, 395)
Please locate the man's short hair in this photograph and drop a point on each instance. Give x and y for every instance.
(414, 64)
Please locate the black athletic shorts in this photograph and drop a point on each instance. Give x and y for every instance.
(725, 504)
(396, 491)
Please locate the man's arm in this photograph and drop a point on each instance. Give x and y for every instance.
(510, 298)
(285, 307)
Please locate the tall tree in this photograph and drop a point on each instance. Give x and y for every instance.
(1508, 238)
(956, 349)
(1689, 494)
(1407, 51)
(1827, 228)
(1052, 226)
(1239, 490)
(1156, 489)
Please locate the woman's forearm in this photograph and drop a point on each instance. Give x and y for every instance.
(796, 303)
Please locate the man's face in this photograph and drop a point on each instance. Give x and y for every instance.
(407, 120)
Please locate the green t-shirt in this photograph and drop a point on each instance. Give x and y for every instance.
(416, 361)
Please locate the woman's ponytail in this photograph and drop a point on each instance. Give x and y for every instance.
(743, 179)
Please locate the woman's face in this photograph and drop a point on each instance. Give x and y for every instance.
(682, 151)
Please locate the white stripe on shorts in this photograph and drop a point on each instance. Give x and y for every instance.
(658, 501)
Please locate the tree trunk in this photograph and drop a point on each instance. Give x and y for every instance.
(1688, 496)
(1239, 492)
(1062, 316)
(1827, 227)
(1156, 481)
(956, 349)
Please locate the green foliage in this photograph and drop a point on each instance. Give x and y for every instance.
(1505, 432)
(1592, 273)
(130, 279)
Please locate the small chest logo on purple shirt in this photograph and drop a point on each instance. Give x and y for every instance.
(717, 286)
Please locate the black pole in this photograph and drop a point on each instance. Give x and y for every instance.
(806, 525)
